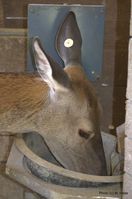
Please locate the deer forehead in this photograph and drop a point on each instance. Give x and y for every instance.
(75, 71)
(82, 86)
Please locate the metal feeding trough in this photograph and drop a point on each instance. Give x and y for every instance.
(32, 164)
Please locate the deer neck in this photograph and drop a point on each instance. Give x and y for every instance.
(22, 98)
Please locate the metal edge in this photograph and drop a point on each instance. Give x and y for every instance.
(19, 142)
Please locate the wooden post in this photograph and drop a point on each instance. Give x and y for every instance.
(127, 185)
(13, 50)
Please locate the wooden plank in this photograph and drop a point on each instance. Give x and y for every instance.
(1, 14)
(121, 62)
(110, 34)
(119, 100)
(120, 132)
(128, 130)
(129, 78)
(129, 83)
(116, 34)
(108, 67)
(19, 9)
(105, 97)
(127, 186)
(105, 87)
(111, 10)
(121, 42)
(131, 26)
(118, 10)
(128, 156)
(13, 32)
(131, 20)
(16, 11)
(115, 63)
(128, 122)
(13, 50)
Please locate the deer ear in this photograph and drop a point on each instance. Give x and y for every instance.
(49, 70)
(69, 40)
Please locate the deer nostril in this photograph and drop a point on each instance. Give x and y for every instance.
(83, 134)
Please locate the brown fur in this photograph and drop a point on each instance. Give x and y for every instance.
(21, 96)
(23, 91)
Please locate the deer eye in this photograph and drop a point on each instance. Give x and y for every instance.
(85, 134)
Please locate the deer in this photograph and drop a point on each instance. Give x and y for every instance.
(59, 103)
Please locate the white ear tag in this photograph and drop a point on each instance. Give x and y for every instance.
(68, 43)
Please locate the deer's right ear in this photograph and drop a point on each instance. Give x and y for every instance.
(49, 70)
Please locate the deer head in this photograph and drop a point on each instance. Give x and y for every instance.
(69, 120)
